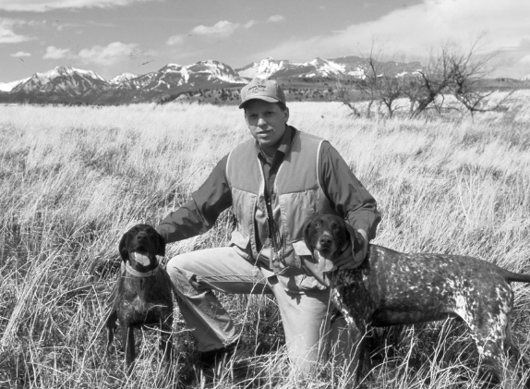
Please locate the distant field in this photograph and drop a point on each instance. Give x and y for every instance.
(73, 179)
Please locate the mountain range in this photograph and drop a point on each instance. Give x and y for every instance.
(67, 85)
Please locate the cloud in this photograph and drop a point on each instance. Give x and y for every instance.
(108, 55)
(175, 40)
(53, 52)
(20, 54)
(48, 5)
(7, 31)
(276, 19)
(415, 29)
(525, 59)
(222, 29)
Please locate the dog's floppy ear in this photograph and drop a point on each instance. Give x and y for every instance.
(358, 240)
(307, 239)
(122, 247)
(161, 244)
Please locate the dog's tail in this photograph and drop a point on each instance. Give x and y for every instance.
(515, 277)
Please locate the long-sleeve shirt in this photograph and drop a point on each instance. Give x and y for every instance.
(338, 182)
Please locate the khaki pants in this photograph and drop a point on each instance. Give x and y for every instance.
(305, 318)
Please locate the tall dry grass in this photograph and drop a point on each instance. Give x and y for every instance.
(73, 179)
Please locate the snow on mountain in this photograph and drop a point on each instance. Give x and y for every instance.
(324, 68)
(71, 85)
(215, 70)
(122, 78)
(203, 74)
(263, 69)
(9, 86)
(63, 79)
(318, 67)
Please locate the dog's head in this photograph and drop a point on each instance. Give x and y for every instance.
(141, 244)
(327, 236)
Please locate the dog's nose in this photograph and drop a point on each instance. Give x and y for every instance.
(141, 237)
(325, 241)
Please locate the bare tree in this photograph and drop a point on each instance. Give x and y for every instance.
(430, 82)
(377, 85)
(451, 71)
(448, 71)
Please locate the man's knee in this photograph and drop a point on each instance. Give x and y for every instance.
(181, 274)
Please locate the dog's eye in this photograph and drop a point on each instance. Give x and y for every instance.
(318, 225)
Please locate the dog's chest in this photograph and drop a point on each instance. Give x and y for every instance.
(144, 302)
(351, 296)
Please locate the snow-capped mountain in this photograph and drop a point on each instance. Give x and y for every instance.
(351, 66)
(70, 85)
(9, 86)
(63, 78)
(203, 74)
(283, 68)
(122, 78)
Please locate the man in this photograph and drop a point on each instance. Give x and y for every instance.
(275, 183)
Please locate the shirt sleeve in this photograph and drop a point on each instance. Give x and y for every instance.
(199, 214)
(349, 197)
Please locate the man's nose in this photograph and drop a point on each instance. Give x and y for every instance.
(261, 122)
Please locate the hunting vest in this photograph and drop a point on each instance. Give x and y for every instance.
(296, 198)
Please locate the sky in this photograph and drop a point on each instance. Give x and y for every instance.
(112, 37)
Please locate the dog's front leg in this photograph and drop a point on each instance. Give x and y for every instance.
(166, 344)
(111, 328)
(128, 341)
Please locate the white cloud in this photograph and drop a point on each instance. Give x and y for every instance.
(108, 55)
(415, 29)
(276, 19)
(20, 54)
(175, 40)
(220, 30)
(53, 52)
(525, 59)
(48, 5)
(7, 31)
(223, 29)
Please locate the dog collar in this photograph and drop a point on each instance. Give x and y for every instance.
(141, 274)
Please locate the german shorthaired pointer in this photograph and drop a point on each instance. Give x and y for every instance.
(392, 288)
(143, 293)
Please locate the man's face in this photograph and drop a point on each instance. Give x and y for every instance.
(266, 122)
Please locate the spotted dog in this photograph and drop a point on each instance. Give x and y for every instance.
(393, 288)
(143, 292)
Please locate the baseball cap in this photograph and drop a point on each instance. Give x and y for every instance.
(262, 89)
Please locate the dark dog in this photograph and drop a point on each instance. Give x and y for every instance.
(143, 293)
(392, 288)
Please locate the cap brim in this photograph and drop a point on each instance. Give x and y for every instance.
(264, 98)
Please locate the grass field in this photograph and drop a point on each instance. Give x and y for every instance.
(73, 179)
